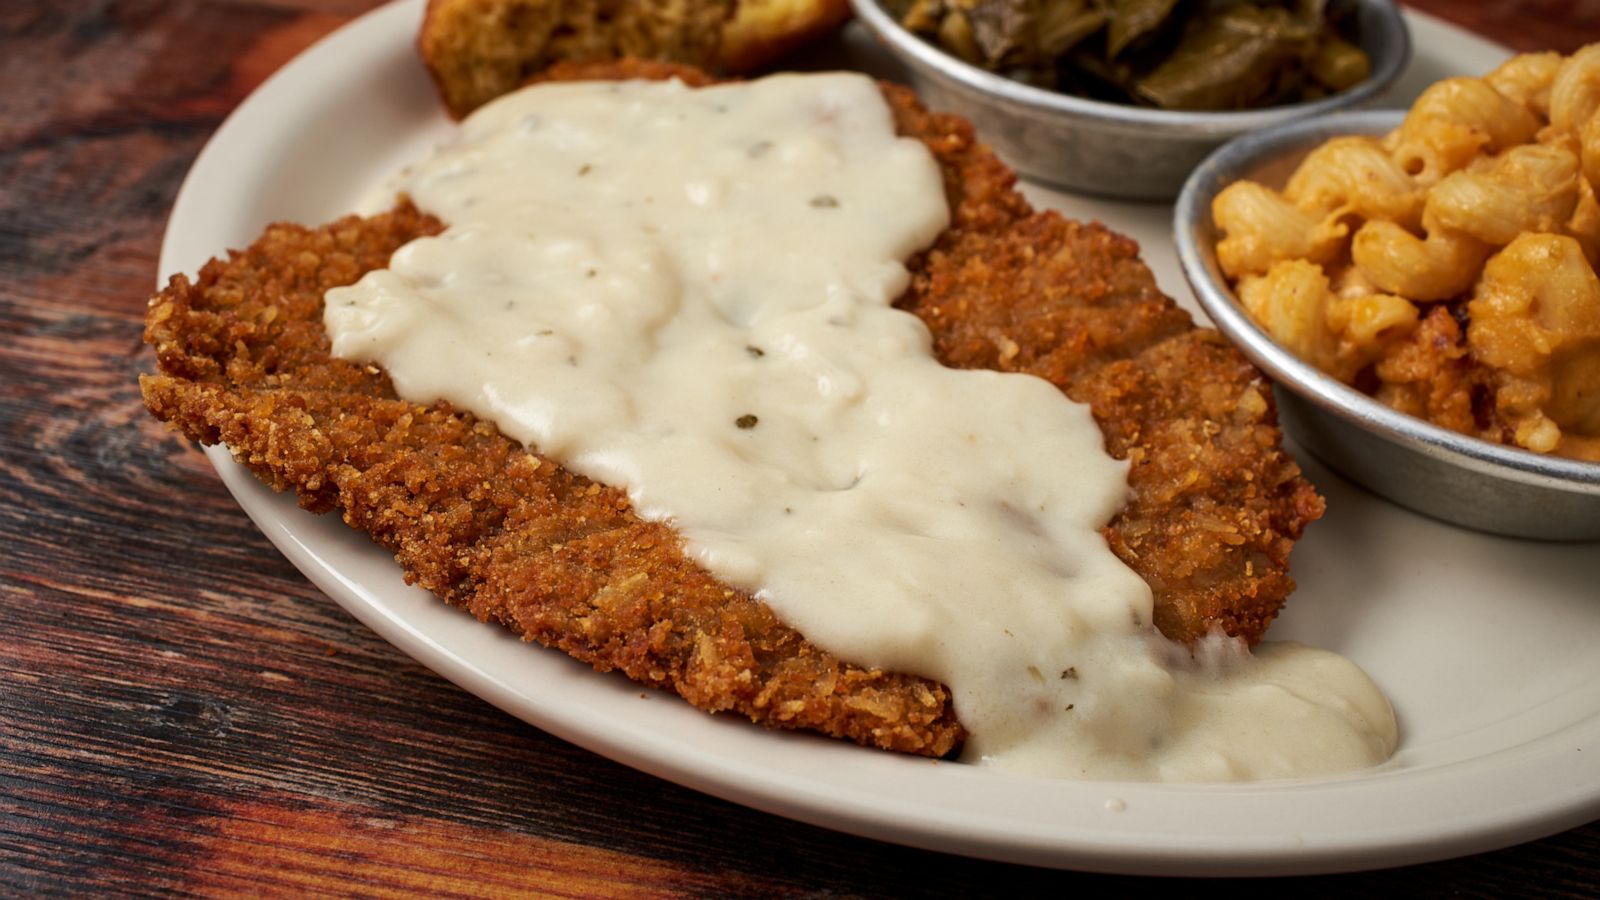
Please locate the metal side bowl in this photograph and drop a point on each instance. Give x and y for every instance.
(1111, 149)
(1432, 470)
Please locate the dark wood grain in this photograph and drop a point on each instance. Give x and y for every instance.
(181, 712)
(1525, 25)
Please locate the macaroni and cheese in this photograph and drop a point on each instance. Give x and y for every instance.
(1447, 268)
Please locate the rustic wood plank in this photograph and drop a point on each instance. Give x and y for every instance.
(1524, 25)
(181, 713)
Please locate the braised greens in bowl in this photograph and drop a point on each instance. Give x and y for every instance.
(1162, 54)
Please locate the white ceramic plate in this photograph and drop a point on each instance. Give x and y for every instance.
(1487, 646)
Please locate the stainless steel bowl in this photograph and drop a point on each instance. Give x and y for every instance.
(1422, 466)
(1107, 148)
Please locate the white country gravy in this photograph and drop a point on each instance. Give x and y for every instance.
(686, 293)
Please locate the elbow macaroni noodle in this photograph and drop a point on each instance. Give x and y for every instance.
(1478, 213)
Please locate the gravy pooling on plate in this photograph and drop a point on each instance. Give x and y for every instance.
(687, 293)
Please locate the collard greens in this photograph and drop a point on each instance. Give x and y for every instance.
(1169, 54)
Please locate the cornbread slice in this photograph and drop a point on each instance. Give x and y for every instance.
(477, 50)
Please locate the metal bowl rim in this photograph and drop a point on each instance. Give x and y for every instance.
(1218, 124)
(1192, 211)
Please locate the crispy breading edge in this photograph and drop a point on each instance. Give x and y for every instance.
(475, 518)
(512, 537)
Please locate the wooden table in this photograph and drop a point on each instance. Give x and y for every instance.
(180, 711)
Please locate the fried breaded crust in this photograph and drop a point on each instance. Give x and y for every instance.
(499, 530)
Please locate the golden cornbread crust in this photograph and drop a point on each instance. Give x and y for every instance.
(476, 50)
(512, 537)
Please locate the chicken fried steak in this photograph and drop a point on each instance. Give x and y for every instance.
(492, 527)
